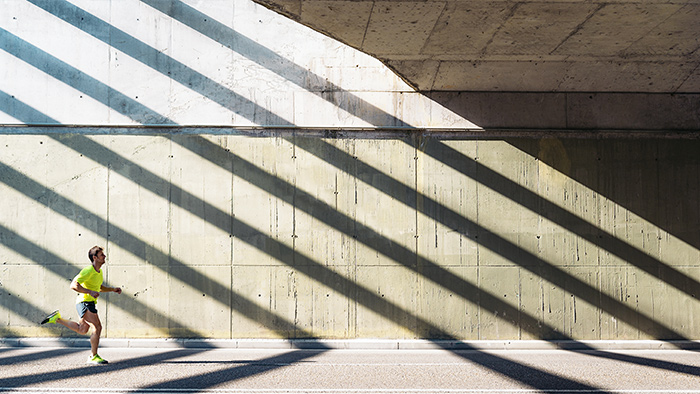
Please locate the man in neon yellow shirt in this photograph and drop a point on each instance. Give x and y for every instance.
(88, 284)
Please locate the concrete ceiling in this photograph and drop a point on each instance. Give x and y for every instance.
(648, 46)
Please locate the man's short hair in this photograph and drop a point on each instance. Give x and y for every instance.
(93, 252)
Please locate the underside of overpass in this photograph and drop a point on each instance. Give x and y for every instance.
(620, 65)
(646, 46)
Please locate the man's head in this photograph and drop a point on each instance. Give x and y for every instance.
(96, 253)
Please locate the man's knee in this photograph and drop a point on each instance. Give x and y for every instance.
(91, 319)
(83, 328)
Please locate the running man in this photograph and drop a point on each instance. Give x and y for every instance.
(88, 284)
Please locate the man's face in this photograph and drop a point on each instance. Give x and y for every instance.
(100, 257)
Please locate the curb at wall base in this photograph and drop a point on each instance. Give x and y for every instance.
(354, 344)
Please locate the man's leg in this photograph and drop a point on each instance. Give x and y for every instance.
(81, 327)
(89, 318)
(92, 319)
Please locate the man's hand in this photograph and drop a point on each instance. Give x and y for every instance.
(94, 294)
(118, 290)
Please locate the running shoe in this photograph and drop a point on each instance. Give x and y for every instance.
(96, 359)
(51, 318)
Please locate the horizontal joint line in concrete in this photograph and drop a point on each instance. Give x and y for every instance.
(349, 132)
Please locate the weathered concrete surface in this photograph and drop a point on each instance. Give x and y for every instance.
(168, 63)
(256, 228)
(646, 46)
(238, 236)
(576, 113)
(224, 63)
(593, 65)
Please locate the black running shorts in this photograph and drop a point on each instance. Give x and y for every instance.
(83, 307)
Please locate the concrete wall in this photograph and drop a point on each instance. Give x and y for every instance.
(249, 177)
(216, 63)
(289, 236)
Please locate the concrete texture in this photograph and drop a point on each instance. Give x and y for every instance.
(167, 63)
(141, 63)
(270, 182)
(613, 65)
(571, 46)
(297, 237)
(576, 113)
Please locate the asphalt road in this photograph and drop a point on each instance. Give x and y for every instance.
(221, 371)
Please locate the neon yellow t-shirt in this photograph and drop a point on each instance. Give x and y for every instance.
(91, 280)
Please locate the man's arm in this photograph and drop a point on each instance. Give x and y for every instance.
(117, 290)
(75, 286)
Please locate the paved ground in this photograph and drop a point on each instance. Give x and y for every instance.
(53, 370)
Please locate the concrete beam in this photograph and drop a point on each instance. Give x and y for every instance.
(572, 46)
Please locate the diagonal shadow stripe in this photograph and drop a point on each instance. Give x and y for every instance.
(287, 192)
(20, 110)
(159, 62)
(272, 61)
(36, 356)
(486, 238)
(367, 236)
(547, 209)
(21, 307)
(439, 275)
(73, 77)
(58, 265)
(239, 372)
(296, 74)
(133, 245)
(28, 380)
(649, 362)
